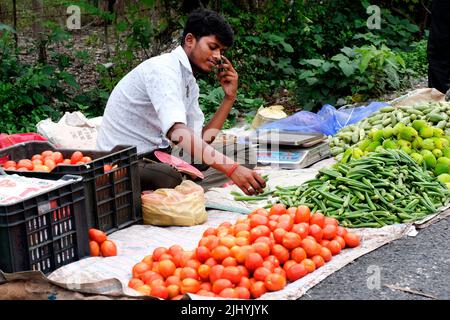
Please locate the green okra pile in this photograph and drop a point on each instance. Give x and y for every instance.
(379, 189)
(382, 188)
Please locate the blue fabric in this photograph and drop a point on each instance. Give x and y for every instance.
(328, 120)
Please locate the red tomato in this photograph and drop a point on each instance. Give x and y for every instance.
(94, 248)
(76, 157)
(257, 219)
(57, 157)
(25, 163)
(303, 214)
(341, 231)
(46, 153)
(86, 159)
(291, 240)
(108, 248)
(253, 261)
(275, 282)
(296, 272)
(50, 163)
(232, 273)
(316, 231)
(329, 231)
(334, 247)
(278, 209)
(351, 240)
(332, 221)
(36, 157)
(97, 235)
(317, 218)
(221, 284)
(9, 164)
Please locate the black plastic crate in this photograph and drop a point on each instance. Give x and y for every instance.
(113, 199)
(45, 231)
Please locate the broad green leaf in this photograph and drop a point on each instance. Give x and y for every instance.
(339, 57)
(312, 81)
(315, 62)
(346, 68)
(348, 51)
(39, 98)
(306, 74)
(287, 47)
(274, 38)
(27, 100)
(326, 66)
(365, 60)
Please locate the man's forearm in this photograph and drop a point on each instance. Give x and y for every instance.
(198, 148)
(214, 126)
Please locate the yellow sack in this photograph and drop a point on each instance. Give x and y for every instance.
(269, 114)
(182, 206)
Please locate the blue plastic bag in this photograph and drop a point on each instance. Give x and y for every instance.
(327, 121)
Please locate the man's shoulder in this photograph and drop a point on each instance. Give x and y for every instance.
(167, 61)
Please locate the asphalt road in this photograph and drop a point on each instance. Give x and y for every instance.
(410, 268)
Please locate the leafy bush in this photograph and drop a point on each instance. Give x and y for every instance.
(359, 72)
(299, 42)
(31, 92)
(417, 58)
(320, 50)
(211, 98)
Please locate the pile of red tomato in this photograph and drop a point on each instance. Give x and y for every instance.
(100, 245)
(259, 253)
(46, 161)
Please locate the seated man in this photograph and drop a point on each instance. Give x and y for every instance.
(157, 102)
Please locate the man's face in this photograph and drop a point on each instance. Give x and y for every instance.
(203, 53)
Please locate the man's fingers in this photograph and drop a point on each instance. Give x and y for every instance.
(244, 189)
(258, 178)
(250, 190)
(255, 185)
(227, 63)
(225, 59)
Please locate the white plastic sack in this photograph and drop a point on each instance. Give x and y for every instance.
(72, 131)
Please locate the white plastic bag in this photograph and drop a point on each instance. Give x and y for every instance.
(72, 131)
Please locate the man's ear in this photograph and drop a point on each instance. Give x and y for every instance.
(189, 41)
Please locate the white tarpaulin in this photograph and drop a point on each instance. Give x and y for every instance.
(138, 241)
(135, 242)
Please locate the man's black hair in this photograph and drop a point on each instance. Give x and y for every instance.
(203, 22)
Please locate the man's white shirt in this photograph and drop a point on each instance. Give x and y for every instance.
(148, 101)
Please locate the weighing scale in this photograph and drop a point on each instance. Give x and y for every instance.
(290, 150)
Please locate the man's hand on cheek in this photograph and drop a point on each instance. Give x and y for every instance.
(228, 78)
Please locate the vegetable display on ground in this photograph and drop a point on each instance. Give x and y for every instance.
(261, 252)
(379, 189)
(391, 120)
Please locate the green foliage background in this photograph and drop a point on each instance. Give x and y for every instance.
(305, 53)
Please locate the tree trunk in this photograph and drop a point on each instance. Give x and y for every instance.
(38, 10)
(16, 39)
(2, 13)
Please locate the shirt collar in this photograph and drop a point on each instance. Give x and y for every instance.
(181, 55)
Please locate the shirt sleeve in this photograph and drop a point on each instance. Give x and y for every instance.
(164, 88)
